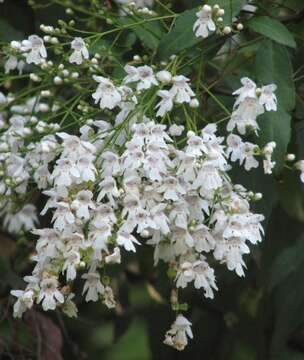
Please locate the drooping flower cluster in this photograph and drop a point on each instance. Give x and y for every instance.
(181, 201)
(24, 160)
(250, 103)
(128, 182)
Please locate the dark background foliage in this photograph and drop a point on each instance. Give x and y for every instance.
(258, 317)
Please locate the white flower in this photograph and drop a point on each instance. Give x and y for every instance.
(248, 90)
(126, 240)
(65, 172)
(171, 189)
(179, 332)
(36, 48)
(300, 166)
(203, 239)
(181, 89)
(115, 257)
(242, 151)
(25, 300)
(155, 167)
(231, 251)
(49, 294)
(208, 178)
(160, 219)
(99, 234)
(268, 98)
(176, 130)
(106, 94)
(26, 218)
(235, 148)
(69, 307)
(248, 155)
(10, 64)
(86, 168)
(166, 104)
(245, 115)
(143, 75)
(268, 164)
(164, 76)
(199, 272)
(111, 163)
(104, 212)
(204, 24)
(92, 286)
(72, 260)
(63, 216)
(83, 203)
(80, 51)
(108, 188)
(108, 298)
(196, 145)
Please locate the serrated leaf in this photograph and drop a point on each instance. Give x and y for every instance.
(272, 29)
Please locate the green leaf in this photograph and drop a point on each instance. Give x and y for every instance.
(257, 181)
(231, 7)
(149, 33)
(181, 36)
(273, 65)
(275, 126)
(272, 29)
(291, 195)
(288, 310)
(8, 33)
(286, 263)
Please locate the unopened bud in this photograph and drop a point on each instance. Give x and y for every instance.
(194, 103)
(58, 80)
(290, 157)
(240, 27)
(227, 30)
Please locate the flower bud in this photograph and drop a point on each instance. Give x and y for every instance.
(58, 80)
(207, 8)
(65, 73)
(190, 133)
(227, 30)
(240, 26)
(258, 196)
(194, 103)
(176, 130)
(290, 157)
(164, 76)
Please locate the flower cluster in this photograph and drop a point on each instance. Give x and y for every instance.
(210, 20)
(116, 184)
(181, 200)
(250, 103)
(143, 78)
(27, 148)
